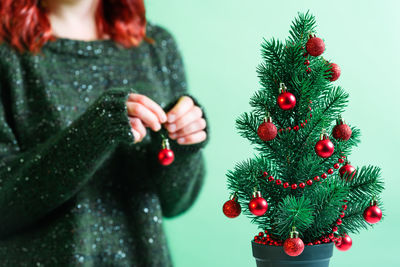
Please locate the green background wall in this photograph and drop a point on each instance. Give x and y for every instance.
(220, 42)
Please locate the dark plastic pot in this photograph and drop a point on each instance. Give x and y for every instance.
(273, 256)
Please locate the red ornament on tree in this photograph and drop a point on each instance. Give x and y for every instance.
(315, 46)
(344, 243)
(166, 155)
(335, 72)
(267, 130)
(373, 213)
(293, 246)
(347, 171)
(341, 131)
(232, 208)
(258, 205)
(324, 147)
(285, 100)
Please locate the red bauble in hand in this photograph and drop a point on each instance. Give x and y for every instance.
(315, 46)
(285, 100)
(335, 72)
(324, 147)
(341, 131)
(293, 246)
(344, 243)
(166, 155)
(232, 208)
(267, 130)
(347, 171)
(258, 205)
(373, 213)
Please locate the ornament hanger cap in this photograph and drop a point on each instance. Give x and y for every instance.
(282, 87)
(233, 196)
(340, 120)
(256, 194)
(165, 143)
(323, 136)
(294, 233)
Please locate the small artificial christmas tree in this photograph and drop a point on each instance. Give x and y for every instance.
(301, 189)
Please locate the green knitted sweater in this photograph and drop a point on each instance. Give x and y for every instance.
(74, 188)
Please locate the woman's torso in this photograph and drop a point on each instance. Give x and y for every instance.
(111, 221)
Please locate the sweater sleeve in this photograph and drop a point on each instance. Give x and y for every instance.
(36, 181)
(178, 184)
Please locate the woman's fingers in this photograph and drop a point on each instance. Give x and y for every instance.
(136, 109)
(150, 104)
(197, 125)
(183, 105)
(184, 121)
(136, 135)
(192, 115)
(192, 138)
(138, 127)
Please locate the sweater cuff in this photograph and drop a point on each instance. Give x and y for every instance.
(115, 100)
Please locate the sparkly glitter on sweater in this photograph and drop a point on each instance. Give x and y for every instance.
(74, 188)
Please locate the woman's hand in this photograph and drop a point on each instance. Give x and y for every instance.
(186, 122)
(144, 112)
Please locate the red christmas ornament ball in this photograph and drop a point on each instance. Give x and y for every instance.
(286, 100)
(335, 71)
(166, 156)
(315, 46)
(372, 214)
(348, 171)
(258, 205)
(231, 208)
(341, 132)
(324, 148)
(293, 246)
(267, 131)
(344, 243)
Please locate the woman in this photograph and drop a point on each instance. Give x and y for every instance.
(84, 102)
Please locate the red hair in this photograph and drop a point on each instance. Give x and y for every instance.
(24, 23)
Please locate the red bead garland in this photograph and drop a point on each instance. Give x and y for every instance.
(330, 237)
(308, 182)
(297, 127)
(265, 239)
